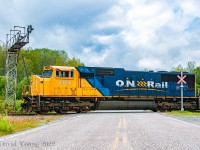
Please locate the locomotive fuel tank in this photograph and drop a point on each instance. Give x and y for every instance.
(131, 104)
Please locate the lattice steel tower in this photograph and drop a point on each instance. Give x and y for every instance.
(15, 40)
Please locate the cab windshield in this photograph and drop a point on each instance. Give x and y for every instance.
(47, 73)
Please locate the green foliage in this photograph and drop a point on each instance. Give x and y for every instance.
(2, 87)
(5, 125)
(10, 109)
(2, 60)
(37, 58)
(179, 68)
(9, 124)
(197, 72)
(198, 87)
(19, 87)
(18, 105)
(75, 62)
(190, 67)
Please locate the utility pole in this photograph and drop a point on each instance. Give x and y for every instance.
(15, 40)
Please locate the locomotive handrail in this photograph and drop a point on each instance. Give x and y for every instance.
(38, 93)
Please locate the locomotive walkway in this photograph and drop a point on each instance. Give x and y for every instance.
(120, 130)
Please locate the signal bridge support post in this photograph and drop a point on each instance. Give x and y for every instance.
(15, 40)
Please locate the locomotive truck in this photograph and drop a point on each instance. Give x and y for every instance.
(80, 89)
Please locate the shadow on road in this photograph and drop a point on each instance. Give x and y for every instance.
(121, 111)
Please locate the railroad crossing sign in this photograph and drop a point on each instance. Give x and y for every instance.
(181, 79)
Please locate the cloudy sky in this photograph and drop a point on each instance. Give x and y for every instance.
(133, 34)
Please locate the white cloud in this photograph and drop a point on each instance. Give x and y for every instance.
(94, 58)
(125, 33)
(150, 64)
(151, 33)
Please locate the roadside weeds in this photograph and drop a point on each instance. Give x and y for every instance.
(13, 124)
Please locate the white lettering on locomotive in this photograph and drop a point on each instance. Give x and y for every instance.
(120, 83)
(150, 84)
(130, 84)
(64, 82)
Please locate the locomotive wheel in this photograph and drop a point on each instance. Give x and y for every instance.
(162, 110)
(61, 111)
(84, 109)
(41, 112)
(154, 110)
(78, 111)
(38, 112)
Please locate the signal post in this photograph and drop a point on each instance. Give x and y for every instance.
(182, 81)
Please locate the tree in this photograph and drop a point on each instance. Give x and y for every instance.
(2, 60)
(22, 83)
(2, 87)
(190, 66)
(37, 58)
(179, 68)
(197, 72)
(74, 62)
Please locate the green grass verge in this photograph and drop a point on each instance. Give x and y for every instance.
(5, 126)
(11, 124)
(185, 113)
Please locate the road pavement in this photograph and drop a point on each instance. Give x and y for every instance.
(108, 130)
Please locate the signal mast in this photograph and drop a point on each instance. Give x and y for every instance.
(15, 40)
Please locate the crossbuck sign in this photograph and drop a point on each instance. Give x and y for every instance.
(181, 79)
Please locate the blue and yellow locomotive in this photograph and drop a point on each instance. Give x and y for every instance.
(63, 88)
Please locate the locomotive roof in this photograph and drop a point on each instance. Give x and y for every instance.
(61, 67)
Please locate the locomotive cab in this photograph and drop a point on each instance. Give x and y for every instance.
(55, 81)
(59, 88)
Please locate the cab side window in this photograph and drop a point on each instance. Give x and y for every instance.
(64, 74)
(57, 73)
(72, 74)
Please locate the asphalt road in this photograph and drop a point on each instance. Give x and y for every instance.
(121, 130)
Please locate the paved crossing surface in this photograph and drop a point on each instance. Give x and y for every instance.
(110, 130)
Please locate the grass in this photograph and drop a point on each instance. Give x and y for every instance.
(5, 126)
(12, 124)
(185, 113)
(10, 109)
